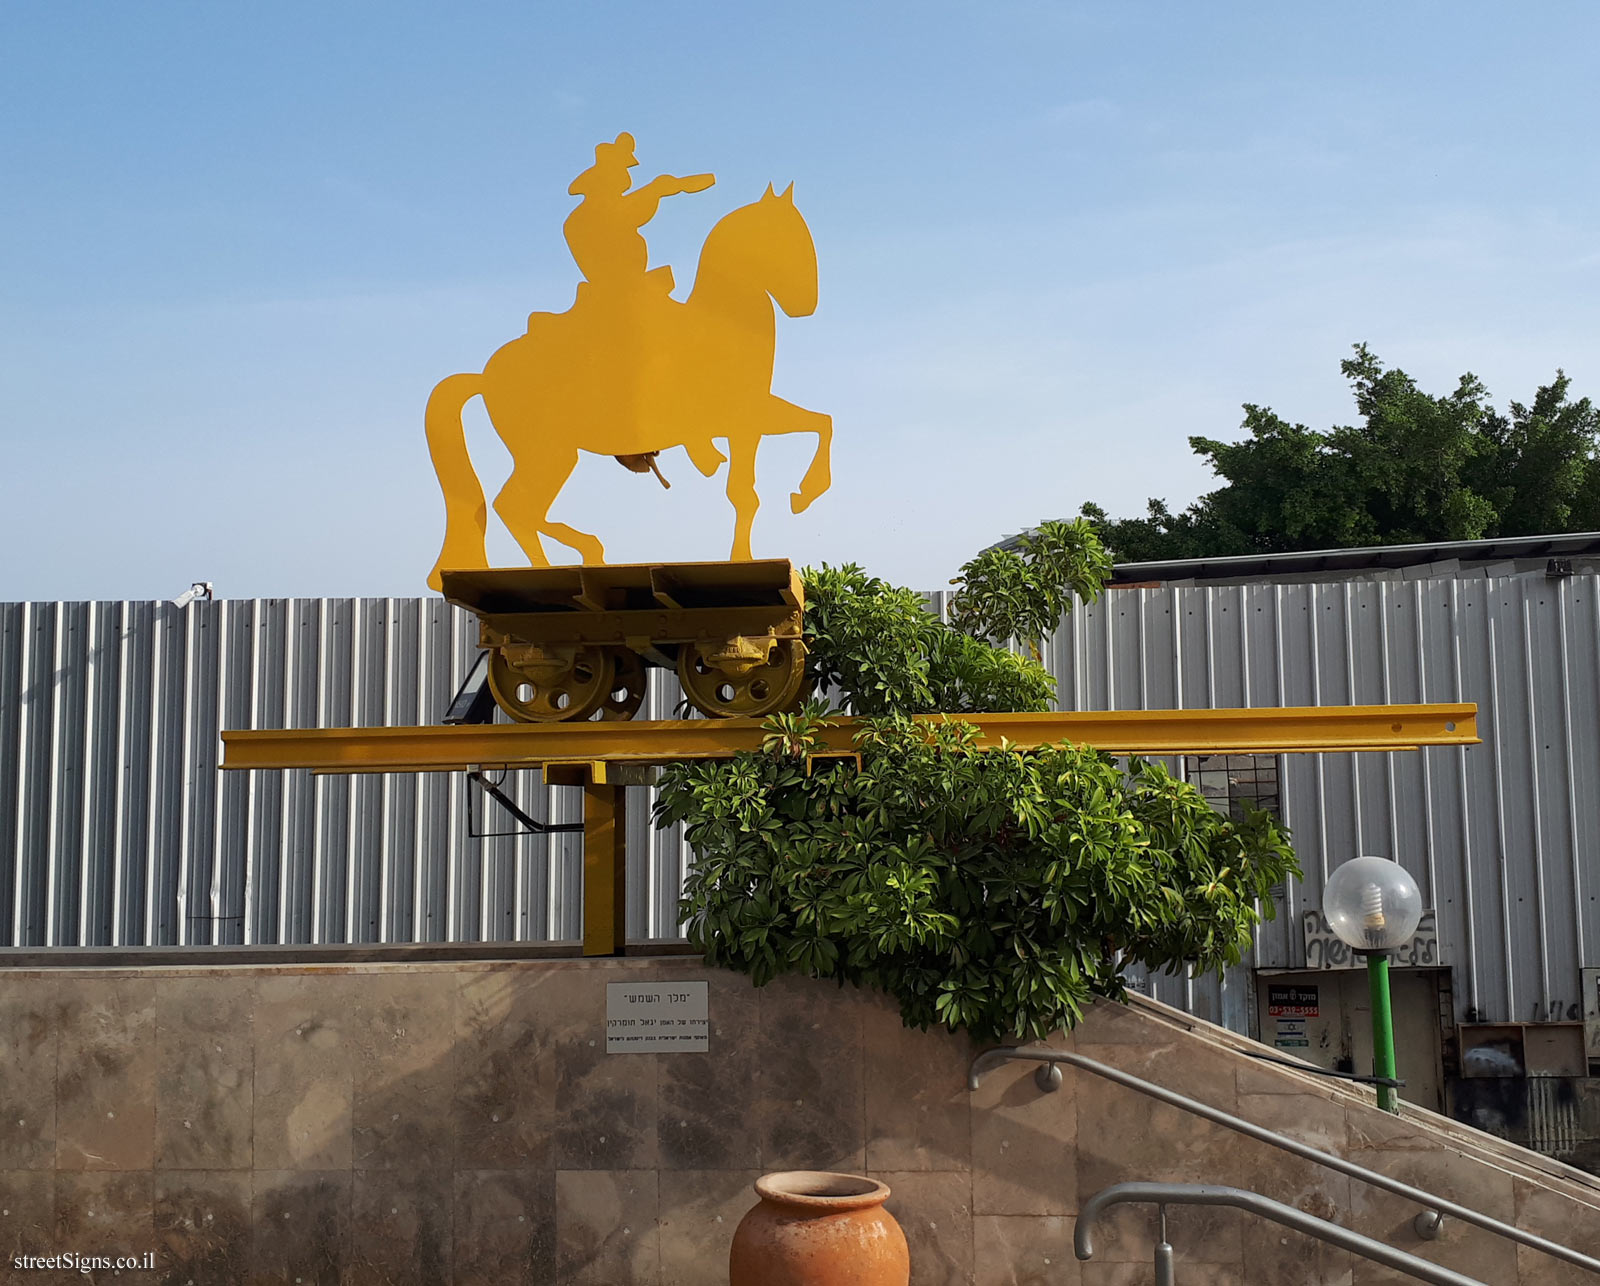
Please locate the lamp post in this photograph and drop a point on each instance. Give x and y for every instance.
(1374, 905)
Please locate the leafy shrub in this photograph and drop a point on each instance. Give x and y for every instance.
(992, 890)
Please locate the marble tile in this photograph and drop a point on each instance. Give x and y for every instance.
(505, 1227)
(401, 1227)
(699, 1211)
(403, 1070)
(1306, 1118)
(1257, 1076)
(707, 1102)
(1189, 1273)
(107, 1213)
(302, 1227)
(811, 1099)
(1371, 1129)
(605, 1104)
(1108, 1022)
(304, 1039)
(504, 1102)
(606, 1230)
(27, 1213)
(918, 1109)
(28, 1038)
(203, 1229)
(205, 1072)
(1023, 1250)
(1574, 1224)
(1271, 1251)
(1388, 1218)
(1190, 1067)
(1199, 1234)
(1127, 1136)
(934, 1209)
(1023, 1143)
(106, 1077)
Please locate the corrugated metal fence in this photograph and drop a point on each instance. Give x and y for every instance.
(117, 829)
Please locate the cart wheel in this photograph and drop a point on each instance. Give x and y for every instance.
(773, 682)
(626, 693)
(543, 685)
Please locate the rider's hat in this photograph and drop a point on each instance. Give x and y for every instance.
(606, 157)
(621, 150)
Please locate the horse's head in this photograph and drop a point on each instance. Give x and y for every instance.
(767, 245)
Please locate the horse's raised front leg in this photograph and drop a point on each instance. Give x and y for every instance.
(524, 506)
(786, 417)
(742, 492)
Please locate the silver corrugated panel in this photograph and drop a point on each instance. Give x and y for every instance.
(1501, 837)
(117, 829)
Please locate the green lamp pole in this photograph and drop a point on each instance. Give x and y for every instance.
(1374, 905)
(1382, 1027)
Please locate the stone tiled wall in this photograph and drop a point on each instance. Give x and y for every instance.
(438, 1123)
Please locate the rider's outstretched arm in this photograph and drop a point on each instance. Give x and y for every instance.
(670, 185)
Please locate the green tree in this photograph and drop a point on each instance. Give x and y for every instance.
(995, 890)
(1542, 469)
(1418, 467)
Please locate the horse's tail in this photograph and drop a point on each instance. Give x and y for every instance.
(466, 515)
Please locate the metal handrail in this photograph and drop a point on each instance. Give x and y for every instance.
(1205, 1194)
(1049, 1078)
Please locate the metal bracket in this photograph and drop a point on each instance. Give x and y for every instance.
(531, 825)
(1428, 1224)
(1393, 1082)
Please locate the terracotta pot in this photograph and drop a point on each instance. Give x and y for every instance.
(812, 1228)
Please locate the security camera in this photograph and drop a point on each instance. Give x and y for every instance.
(200, 590)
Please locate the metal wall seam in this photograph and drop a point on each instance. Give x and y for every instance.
(1314, 664)
(1470, 911)
(1430, 888)
(1286, 812)
(288, 846)
(1492, 744)
(249, 926)
(119, 803)
(318, 929)
(422, 873)
(13, 755)
(83, 844)
(1564, 706)
(356, 786)
(1347, 637)
(52, 898)
(1385, 688)
(1532, 730)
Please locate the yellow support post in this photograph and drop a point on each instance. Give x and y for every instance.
(605, 868)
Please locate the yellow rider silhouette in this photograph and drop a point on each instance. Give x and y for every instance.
(604, 236)
(629, 371)
(603, 232)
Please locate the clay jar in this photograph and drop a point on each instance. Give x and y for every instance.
(813, 1228)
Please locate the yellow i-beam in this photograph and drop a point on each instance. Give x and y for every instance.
(604, 757)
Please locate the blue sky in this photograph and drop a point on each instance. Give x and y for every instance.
(239, 244)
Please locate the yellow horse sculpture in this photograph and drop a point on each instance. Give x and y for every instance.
(629, 371)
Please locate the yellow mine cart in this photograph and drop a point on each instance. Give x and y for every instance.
(573, 642)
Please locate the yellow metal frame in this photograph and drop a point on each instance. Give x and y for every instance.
(455, 748)
(636, 605)
(605, 757)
